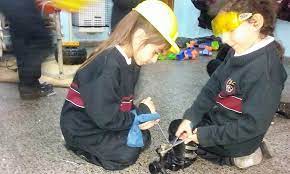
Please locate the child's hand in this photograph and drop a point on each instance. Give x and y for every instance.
(192, 138)
(149, 103)
(148, 124)
(184, 131)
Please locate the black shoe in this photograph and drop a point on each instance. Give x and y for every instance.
(35, 92)
(170, 162)
(284, 109)
(174, 164)
(46, 90)
(181, 157)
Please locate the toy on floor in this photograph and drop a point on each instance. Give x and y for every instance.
(205, 52)
(215, 45)
(191, 49)
(188, 54)
(169, 56)
(199, 47)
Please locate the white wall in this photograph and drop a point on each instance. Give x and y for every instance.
(187, 16)
(282, 35)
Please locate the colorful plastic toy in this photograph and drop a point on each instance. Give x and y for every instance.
(190, 54)
(209, 48)
(171, 56)
(205, 52)
(161, 57)
(194, 54)
(202, 46)
(180, 56)
(215, 45)
(187, 53)
(192, 44)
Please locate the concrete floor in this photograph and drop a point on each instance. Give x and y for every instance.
(31, 141)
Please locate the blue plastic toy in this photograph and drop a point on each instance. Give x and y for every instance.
(180, 56)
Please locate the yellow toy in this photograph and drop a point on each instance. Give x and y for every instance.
(70, 5)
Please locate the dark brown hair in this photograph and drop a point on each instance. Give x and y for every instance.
(123, 32)
(267, 8)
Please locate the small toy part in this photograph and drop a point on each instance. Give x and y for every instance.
(190, 54)
(71, 44)
(194, 54)
(191, 44)
(180, 56)
(215, 45)
(187, 53)
(161, 57)
(208, 48)
(202, 46)
(205, 52)
(171, 56)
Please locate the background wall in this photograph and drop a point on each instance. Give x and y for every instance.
(72, 33)
(187, 16)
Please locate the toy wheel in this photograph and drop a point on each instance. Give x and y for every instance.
(72, 55)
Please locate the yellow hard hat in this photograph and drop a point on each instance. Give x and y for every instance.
(70, 5)
(161, 16)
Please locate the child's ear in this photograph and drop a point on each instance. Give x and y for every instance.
(140, 33)
(257, 20)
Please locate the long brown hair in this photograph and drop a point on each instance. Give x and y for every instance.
(123, 32)
(267, 8)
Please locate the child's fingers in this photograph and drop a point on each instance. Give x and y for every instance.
(147, 125)
(183, 136)
(143, 126)
(145, 100)
(179, 131)
(184, 127)
(187, 140)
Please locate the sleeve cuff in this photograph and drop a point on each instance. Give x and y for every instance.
(203, 137)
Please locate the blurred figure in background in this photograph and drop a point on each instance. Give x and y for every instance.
(31, 43)
(121, 9)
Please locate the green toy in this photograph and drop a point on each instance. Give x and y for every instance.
(161, 57)
(171, 56)
(215, 45)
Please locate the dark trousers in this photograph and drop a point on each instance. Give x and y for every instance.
(112, 153)
(31, 40)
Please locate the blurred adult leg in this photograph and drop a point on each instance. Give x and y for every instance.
(31, 43)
